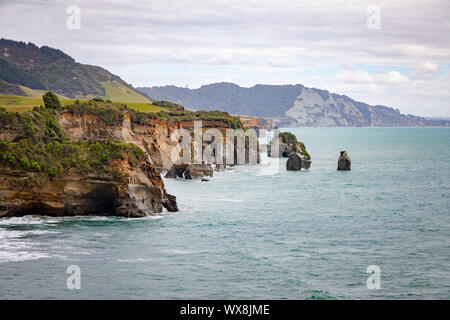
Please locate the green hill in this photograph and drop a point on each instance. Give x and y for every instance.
(45, 68)
(21, 103)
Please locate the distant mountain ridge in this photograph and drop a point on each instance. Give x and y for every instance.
(45, 68)
(288, 105)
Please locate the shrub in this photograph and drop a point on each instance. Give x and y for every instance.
(51, 172)
(51, 100)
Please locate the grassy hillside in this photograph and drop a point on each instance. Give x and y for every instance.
(21, 104)
(116, 91)
(50, 69)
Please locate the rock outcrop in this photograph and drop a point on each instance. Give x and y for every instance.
(138, 193)
(287, 145)
(196, 171)
(344, 162)
(72, 162)
(98, 158)
(297, 161)
(190, 171)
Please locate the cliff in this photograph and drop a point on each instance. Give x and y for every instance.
(92, 157)
(289, 105)
(90, 168)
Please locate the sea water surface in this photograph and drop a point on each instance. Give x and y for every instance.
(255, 233)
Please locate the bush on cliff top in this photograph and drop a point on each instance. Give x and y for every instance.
(51, 100)
(40, 125)
(41, 145)
(289, 138)
(57, 158)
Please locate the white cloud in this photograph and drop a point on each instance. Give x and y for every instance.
(157, 42)
(359, 76)
(391, 77)
(425, 70)
(355, 76)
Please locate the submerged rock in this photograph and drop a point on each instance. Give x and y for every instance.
(344, 162)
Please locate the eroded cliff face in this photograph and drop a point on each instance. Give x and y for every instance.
(153, 135)
(320, 108)
(118, 179)
(138, 192)
(124, 186)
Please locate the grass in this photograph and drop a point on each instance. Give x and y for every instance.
(160, 109)
(22, 104)
(116, 92)
(38, 93)
(145, 107)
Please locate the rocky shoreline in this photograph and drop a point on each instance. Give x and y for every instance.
(44, 170)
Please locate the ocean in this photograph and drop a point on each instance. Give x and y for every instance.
(261, 232)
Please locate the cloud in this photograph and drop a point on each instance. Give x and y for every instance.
(359, 76)
(157, 42)
(424, 92)
(425, 70)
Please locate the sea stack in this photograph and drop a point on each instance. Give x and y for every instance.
(344, 162)
(297, 162)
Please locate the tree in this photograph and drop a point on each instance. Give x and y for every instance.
(51, 100)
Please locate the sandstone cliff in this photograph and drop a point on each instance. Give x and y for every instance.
(77, 161)
(95, 157)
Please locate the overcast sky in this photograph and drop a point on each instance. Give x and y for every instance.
(332, 45)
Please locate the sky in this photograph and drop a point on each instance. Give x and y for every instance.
(394, 53)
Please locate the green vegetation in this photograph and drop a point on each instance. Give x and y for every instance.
(289, 138)
(110, 113)
(234, 122)
(51, 100)
(51, 69)
(14, 75)
(42, 146)
(57, 158)
(303, 148)
(116, 91)
(6, 87)
(168, 104)
(22, 104)
(145, 107)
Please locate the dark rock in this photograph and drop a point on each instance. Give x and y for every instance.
(294, 162)
(196, 171)
(220, 167)
(297, 162)
(283, 148)
(170, 203)
(176, 171)
(344, 162)
(204, 179)
(306, 163)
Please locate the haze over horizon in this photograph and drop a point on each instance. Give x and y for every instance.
(405, 64)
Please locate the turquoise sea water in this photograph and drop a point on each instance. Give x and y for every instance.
(249, 233)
